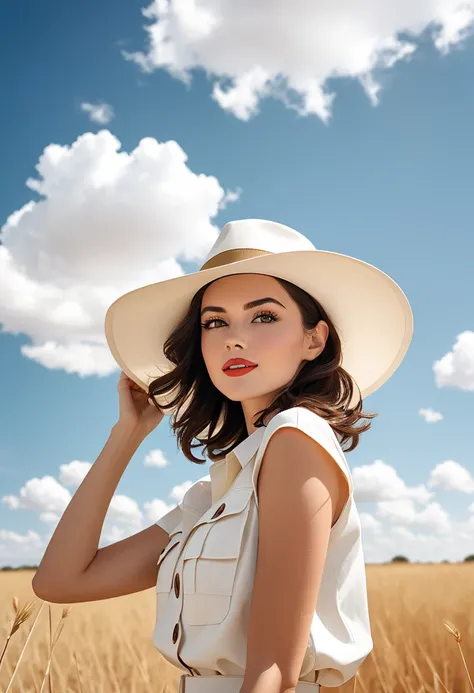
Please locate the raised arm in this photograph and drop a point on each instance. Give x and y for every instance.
(73, 568)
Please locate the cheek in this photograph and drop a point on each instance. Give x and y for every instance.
(284, 339)
(209, 347)
(204, 348)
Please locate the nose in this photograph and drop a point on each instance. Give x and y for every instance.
(233, 342)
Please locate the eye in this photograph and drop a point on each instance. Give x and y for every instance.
(206, 324)
(267, 313)
(263, 313)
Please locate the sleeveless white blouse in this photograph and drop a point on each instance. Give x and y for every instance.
(206, 571)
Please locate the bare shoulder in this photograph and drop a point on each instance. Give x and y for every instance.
(295, 460)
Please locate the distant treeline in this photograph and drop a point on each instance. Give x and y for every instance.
(395, 559)
(20, 567)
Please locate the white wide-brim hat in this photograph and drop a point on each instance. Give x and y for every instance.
(369, 310)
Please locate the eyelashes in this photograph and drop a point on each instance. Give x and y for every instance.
(274, 318)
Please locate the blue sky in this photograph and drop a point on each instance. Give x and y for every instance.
(387, 179)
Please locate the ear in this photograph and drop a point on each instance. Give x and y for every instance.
(317, 340)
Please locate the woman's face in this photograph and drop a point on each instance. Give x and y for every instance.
(270, 335)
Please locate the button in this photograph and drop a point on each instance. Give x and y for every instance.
(219, 511)
(176, 584)
(175, 633)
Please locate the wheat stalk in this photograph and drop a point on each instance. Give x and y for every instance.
(451, 628)
(50, 623)
(52, 643)
(433, 671)
(21, 615)
(78, 671)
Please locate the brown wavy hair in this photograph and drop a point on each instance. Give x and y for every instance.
(321, 385)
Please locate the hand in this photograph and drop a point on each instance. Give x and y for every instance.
(136, 410)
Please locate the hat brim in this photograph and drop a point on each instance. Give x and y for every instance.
(369, 310)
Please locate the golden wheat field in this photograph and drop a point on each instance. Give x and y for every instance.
(105, 647)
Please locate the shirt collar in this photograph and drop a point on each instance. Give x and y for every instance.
(245, 450)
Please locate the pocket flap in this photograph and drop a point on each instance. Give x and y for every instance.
(195, 542)
(224, 538)
(221, 536)
(231, 503)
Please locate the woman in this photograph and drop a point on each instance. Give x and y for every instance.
(263, 357)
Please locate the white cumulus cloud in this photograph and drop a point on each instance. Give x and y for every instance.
(430, 416)
(177, 492)
(451, 476)
(155, 458)
(50, 498)
(380, 482)
(107, 222)
(369, 522)
(403, 532)
(45, 494)
(50, 518)
(434, 517)
(98, 112)
(403, 512)
(156, 508)
(456, 368)
(289, 50)
(29, 540)
(124, 510)
(73, 473)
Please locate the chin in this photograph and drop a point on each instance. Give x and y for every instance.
(233, 399)
(236, 396)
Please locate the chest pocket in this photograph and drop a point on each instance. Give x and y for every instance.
(210, 560)
(166, 565)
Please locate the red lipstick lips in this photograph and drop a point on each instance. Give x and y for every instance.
(240, 367)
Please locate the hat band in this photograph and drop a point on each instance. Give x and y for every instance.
(229, 256)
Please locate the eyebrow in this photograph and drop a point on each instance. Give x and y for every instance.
(247, 306)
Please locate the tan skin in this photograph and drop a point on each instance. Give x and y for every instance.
(276, 343)
(73, 568)
(135, 409)
(270, 335)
